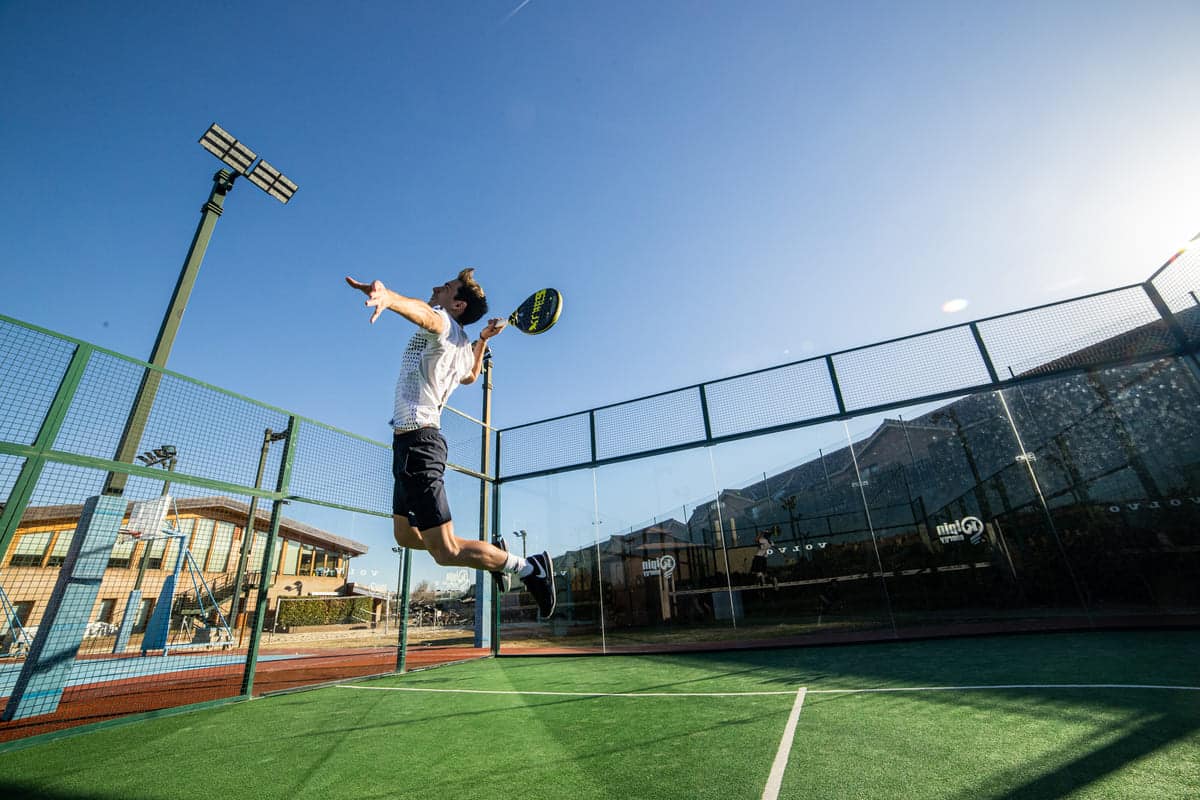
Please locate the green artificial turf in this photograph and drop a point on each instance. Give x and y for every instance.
(371, 741)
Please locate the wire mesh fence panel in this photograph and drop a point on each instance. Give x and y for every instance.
(217, 435)
(779, 396)
(133, 616)
(932, 363)
(331, 466)
(1179, 285)
(32, 365)
(101, 407)
(1114, 326)
(546, 445)
(62, 484)
(666, 420)
(10, 468)
(464, 439)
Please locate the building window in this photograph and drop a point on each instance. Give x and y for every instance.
(143, 617)
(158, 549)
(202, 540)
(218, 558)
(58, 552)
(122, 553)
(307, 552)
(291, 558)
(107, 607)
(332, 567)
(24, 610)
(254, 564)
(30, 550)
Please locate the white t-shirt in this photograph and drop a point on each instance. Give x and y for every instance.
(432, 365)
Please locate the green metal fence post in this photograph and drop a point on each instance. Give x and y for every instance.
(31, 470)
(984, 354)
(837, 386)
(483, 579)
(402, 651)
(264, 582)
(496, 535)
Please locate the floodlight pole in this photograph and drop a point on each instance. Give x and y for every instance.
(136, 424)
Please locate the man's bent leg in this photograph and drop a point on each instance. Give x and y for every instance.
(405, 534)
(449, 550)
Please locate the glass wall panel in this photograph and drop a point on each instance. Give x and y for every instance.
(964, 535)
(662, 559)
(801, 558)
(1117, 454)
(1066, 502)
(557, 514)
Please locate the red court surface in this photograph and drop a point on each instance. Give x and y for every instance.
(97, 702)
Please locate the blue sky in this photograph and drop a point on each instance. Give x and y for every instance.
(715, 187)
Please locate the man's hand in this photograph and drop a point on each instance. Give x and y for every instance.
(494, 326)
(377, 295)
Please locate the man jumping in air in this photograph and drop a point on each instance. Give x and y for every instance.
(440, 356)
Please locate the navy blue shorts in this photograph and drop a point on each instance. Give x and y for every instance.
(418, 464)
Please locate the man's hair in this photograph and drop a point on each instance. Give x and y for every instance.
(472, 294)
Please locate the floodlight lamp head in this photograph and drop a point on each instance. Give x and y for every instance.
(271, 181)
(169, 449)
(144, 459)
(222, 144)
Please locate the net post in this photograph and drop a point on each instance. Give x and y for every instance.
(402, 650)
(484, 599)
(496, 599)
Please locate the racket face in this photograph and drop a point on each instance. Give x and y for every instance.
(538, 313)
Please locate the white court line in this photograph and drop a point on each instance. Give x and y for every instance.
(560, 694)
(982, 687)
(1007, 686)
(775, 779)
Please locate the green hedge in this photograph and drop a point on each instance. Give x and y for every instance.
(324, 611)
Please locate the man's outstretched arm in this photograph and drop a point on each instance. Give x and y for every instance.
(415, 311)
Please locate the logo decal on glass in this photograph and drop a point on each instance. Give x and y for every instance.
(960, 529)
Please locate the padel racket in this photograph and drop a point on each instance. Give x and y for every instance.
(538, 313)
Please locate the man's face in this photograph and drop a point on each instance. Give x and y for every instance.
(444, 295)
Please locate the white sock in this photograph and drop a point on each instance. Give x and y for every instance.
(515, 563)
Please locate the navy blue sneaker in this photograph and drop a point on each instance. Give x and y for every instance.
(540, 583)
(503, 579)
